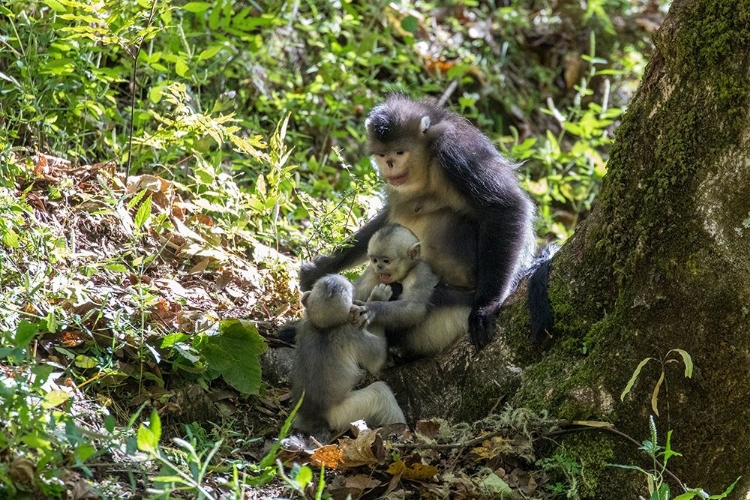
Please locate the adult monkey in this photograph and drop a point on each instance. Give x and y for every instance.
(450, 186)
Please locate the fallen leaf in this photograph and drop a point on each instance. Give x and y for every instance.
(417, 471)
(427, 428)
(329, 456)
(491, 448)
(367, 448)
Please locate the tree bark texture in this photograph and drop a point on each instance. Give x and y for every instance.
(663, 262)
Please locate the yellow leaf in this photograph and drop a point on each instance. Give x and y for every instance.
(55, 398)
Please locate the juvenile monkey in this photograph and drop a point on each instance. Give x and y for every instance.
(330, 359)
(395, 259)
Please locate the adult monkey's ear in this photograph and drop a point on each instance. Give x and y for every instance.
(304, 298)
(424, 124)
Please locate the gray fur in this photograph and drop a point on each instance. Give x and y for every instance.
(330, 360)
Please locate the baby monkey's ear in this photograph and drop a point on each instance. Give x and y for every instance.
(415, 250)
(304, 298)
(424, 124)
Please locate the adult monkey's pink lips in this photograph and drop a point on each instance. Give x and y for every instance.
(398, 179)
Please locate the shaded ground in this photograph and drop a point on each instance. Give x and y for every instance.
(122, 282)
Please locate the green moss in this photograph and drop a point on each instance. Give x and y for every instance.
(696, 115)
(583, 458)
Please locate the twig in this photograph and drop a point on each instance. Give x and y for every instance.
(470, 442)
(447, 94)
(135, 86)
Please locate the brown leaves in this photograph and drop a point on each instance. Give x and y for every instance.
(377, 464)
(491, 448)
(366, 449)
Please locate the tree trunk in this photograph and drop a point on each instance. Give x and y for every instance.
(662, 263)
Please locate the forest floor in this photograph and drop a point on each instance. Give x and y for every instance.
(129, 291)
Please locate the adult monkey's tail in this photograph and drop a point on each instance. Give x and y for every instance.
(540, 309)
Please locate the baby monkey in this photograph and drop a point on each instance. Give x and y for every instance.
(330, 356)
(395, 258)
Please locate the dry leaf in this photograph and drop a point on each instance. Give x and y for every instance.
(427, 428)
(491, 448)
(366, 449)
(417, 471)
(329, 456)
(200, 266)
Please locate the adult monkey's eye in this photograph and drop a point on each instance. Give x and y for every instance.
(381, 155)
(386, 261)
(399, 153)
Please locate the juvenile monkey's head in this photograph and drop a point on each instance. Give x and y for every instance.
(399, 133)
(393, 252)
(328, 303)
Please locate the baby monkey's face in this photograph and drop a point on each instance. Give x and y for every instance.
(390, 269)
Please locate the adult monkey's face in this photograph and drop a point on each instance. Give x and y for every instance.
(393, 166)
(399, 148)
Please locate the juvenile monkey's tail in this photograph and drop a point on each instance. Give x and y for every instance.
(540, 309)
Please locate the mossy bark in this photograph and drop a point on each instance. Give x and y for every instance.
(662, 263)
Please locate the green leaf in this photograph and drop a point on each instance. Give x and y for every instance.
(197, 6)
(410, 24)
(235, 355)
(668, 451)
(181, 68)
(727, 491)
(109, 423)
(25, 332)
(10, 238)
(155, 425)
(172, 339)
(688, 495)
(687, 359)
(143, 213)
(270, 457)
(84, 452)
(116, 267)
(634, 378)
(146, 440)
(55, 398)
(36, 441)
(148, 437)
(55, 5)
(83, 361)
(210, 52)
(304, 476)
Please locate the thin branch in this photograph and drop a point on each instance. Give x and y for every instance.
(447, 94)
(134, 84)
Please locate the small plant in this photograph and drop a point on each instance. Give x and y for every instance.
(172, 477)
(566, 474)
(686, 359)
(658, 487)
